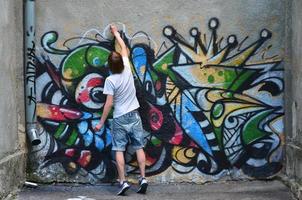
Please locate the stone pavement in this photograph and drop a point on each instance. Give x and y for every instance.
(235, 190)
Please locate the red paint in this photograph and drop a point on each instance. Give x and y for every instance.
(157, 85)
(70, 113)
(193, 144)
(149, 160)
(53, 73)
(156, 118)
(84, 158)
(94, 82)
(69, 152)
(57, 113)
(178, 135)
(83, 96)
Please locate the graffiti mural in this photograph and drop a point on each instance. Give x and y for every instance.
(209, 104)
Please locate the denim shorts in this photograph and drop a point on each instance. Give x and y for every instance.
(127, 127)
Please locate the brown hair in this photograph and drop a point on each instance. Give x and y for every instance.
(115, 62)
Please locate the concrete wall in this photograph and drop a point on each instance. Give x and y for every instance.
(294, 133)
(12, 142)
(209, 76)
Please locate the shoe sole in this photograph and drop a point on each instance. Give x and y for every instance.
(123, 191)
(143, 188)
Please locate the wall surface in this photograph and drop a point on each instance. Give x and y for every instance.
(294, 135)
(12, 142)
(209, 78)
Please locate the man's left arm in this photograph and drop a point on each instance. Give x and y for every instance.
(106, 110)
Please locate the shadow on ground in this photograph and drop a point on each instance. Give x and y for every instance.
(243, 190)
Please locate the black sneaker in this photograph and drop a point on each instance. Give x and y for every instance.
(123, 188)
(143, 185)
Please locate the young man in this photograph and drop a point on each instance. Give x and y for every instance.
(120, 91)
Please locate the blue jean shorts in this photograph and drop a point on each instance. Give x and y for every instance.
(127, 128)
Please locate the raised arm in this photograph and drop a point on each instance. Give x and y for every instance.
(124, 51)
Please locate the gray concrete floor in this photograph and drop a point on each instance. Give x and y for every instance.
(243, 190)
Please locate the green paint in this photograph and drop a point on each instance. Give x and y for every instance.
(74, 65)
(52, 39)
(229, 94)
(218, 134)
(211, 79)
(154, 76)
(60, 130)
(251, 130)
(155, 141)
(218, 110)
(72, 138)
(220, 73)
(166, 59)
(229, 76)
(97, 56)
(242, 78)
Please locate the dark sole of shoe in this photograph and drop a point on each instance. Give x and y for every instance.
(143, 189)
(121, 193)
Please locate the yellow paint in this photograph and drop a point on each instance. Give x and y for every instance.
(68, 73)
(202, 75)
(42, 110)
(195, 57)
(164, 66)
(182, 154)
(143, 69)
(230, 107)
(246, 99)
(72, 166)
(240, 58)
(217, 59)
(215, 95)
(266, 61)
(67, 83)
(175, 92)
(169, 86)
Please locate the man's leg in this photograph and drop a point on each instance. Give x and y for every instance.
(141, 159)
(119, 141)
(119, 156)
(137, 141)
(124, 186)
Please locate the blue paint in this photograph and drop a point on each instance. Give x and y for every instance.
(139, 60)
(86, 115)
(99, 143)
(96, 61)
(83, 127)
(88, 138)
(108, 137)
(189, 124)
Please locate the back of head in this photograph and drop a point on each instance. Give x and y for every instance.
(115, 62)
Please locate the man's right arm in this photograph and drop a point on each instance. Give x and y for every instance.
(120, 41)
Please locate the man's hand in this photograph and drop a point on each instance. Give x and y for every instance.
(98, 126)
(113, 29)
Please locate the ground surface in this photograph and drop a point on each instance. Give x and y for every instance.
(247, 190)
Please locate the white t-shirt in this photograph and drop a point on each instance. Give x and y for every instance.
(121, 86)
